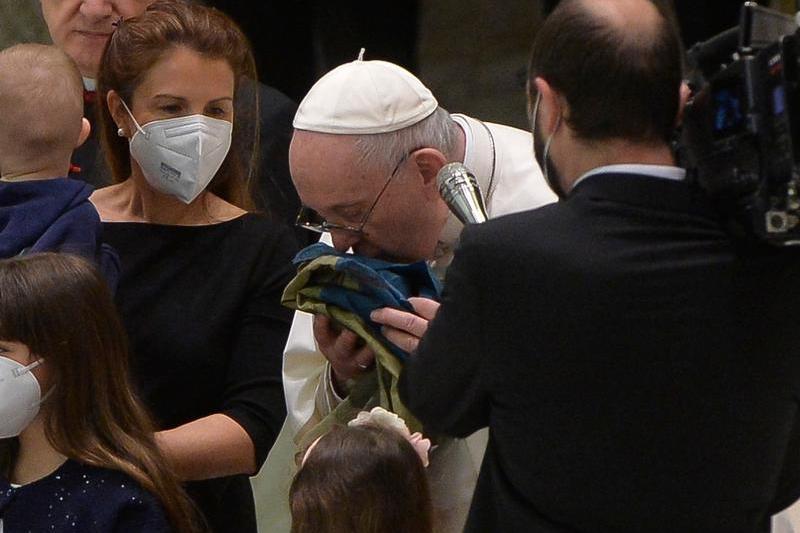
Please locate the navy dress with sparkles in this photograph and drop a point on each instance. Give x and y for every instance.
(78, 498)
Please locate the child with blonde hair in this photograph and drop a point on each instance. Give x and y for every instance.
(41, 105)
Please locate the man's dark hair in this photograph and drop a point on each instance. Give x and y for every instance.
(618, 83)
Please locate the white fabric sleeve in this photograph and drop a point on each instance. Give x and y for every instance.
(307, 379)
(303, 372)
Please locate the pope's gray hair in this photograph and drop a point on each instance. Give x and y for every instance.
(382, 151)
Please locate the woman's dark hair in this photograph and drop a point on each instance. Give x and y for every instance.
(618, 82)
(61, 309)
(363, 479)
(140, 42)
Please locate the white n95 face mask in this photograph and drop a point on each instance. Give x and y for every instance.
(180, 156)
(20, 396)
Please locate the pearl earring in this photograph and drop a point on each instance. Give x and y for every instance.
(121, 132)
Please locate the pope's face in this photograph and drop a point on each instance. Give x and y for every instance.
(81, 28)
(404, 224)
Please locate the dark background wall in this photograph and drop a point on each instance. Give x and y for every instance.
(471, 53)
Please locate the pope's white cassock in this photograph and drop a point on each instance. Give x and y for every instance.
(502, 159)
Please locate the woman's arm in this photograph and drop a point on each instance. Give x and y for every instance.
(209, 447)
(238, 436)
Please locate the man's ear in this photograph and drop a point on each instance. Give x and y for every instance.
(550, 112)
(86, 129)
(685, 94)
(428, 162)
(119, 114)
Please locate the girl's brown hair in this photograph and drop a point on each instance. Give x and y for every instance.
(363, 479)
(140, 42)
(61, 309)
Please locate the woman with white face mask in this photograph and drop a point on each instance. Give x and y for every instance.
(201, 277)
(77, 451)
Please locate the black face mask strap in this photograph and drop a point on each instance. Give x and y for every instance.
(548, 170)
(550, 175)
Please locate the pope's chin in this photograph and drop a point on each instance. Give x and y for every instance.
(368, 250)
(405, 256)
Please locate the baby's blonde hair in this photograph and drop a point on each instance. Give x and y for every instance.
(41, 105)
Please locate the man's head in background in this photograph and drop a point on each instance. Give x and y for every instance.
(604, 86)
(42, 110)
(81, 28)
(369, 141)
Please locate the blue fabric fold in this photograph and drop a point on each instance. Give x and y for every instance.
(365, 284)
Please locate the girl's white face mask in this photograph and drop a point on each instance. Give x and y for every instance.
(20, 396)
(180, 156)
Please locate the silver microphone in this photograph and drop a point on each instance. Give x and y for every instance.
(461, 193)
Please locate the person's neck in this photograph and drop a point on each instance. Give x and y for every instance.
(585, 156)
(36, 457)
(461, 144)
(135, 201)
(45, 171)
(138, 202)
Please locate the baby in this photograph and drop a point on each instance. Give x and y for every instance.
(41, 105)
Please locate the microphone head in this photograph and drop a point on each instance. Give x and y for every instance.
(460, 190)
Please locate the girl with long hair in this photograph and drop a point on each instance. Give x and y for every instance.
(366, 477)
(77, 451)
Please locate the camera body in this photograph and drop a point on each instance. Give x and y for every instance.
(741, 130)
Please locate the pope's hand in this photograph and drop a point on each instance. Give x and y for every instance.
(348, 355)
(403, 328)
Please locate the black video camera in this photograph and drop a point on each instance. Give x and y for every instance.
(741, 129)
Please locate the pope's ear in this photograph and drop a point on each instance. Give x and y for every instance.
(428, 162)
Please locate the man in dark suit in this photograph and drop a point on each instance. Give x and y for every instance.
(637, 368)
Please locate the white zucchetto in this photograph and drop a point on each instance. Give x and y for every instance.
(363, 97)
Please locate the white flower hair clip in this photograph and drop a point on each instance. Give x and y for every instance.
(379, 416)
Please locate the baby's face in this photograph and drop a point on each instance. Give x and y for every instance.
(81, 28)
